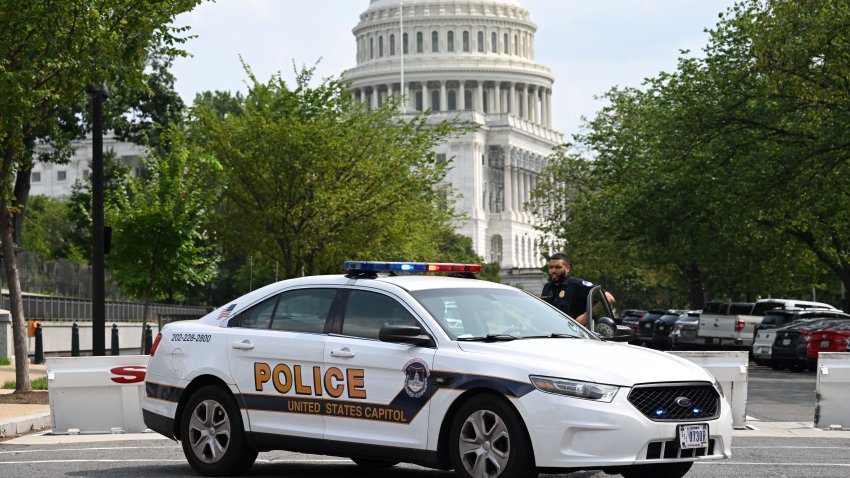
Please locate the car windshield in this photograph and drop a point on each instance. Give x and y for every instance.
(498, 314)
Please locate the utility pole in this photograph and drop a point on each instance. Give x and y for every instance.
(98, 95)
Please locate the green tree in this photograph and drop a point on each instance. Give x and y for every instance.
(50, 228)
(49, 52)
(160, 247)
(315, 177)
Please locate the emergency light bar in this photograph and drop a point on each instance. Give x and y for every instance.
(369, 266)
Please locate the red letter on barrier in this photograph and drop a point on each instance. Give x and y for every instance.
(131, 374)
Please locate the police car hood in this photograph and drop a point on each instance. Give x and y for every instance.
(589, 360)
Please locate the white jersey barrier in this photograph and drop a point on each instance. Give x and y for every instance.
(96, 394)
(832, 409)
(730, 368)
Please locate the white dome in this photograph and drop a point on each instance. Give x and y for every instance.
(386, 3)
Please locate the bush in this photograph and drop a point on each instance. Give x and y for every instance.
(39, 383)
(5, 361)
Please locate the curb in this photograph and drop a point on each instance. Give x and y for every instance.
(25, 424)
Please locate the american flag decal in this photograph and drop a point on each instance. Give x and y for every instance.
(226, 312)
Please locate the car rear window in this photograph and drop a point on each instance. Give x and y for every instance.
(771, 321)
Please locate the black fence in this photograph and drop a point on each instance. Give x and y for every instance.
(53, 308)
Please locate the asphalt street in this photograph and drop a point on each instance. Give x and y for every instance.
(772, 396)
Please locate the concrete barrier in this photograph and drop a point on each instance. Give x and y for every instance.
(96, 394)
(730, 368)
(832, 408)
(6, 344)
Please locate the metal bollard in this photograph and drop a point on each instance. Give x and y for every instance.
(115, 346)
(39, 345)
(75, 340)
(148, 340)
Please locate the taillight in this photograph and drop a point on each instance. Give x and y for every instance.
(739, 326)
(155, 343)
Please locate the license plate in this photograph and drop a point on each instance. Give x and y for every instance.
(647, 325)
(786, 341)
(824, 344)
(764, 350)
(693, 436)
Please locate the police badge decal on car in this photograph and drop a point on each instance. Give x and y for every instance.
(416, 377)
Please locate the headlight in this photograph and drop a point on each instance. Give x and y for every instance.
(719, 387)
(575, 388)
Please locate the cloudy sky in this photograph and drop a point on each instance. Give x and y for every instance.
(590, 45)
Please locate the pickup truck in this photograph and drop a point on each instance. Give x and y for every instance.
(733, 324)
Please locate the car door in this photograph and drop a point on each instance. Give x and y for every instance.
(387, 392)
(275, 354)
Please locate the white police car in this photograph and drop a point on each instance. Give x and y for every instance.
(441, 371)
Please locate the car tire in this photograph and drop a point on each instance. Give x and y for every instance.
(224, 451)
(374, 463)
(604, 330)
(488, 439)
(659, 470)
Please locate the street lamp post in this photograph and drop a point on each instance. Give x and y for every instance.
(98, 95)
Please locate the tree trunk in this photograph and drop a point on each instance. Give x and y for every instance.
(22, 192)
(19, 326)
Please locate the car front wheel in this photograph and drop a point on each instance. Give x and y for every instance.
(488, 440)
(212, 435)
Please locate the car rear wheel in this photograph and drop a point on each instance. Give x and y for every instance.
(212, 435)
(488, 440)
(660, 470)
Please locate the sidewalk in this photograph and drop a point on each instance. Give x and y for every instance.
(18, 419)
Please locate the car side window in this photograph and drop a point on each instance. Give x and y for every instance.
(257, 317)
(303, 310)
(367, 312)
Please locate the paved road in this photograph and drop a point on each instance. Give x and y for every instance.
(772, 396)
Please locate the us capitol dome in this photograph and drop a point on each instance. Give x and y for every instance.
(473, 58)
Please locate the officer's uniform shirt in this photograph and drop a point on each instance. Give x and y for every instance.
(570, 296)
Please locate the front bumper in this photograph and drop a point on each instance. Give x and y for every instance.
(574, 433)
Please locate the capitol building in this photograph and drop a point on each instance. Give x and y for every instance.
(473, 59)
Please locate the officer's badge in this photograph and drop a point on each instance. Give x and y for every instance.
(561, 295)
(416, 377)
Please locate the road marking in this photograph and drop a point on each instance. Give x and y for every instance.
(794, 447)
(734, 463)
(176, 447)
(162, 460)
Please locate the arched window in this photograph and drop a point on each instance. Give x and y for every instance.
(466, 42)
(435, 42)
(496, 248)
(450, 41)
(467, 98)
(419, 105)
(494, 42)
(420, 43)
(381, 46)
(452, 100)
(392, 45)
(404, 48)
(480, 42)
(506, 44)
(435, 100)
(371, 48)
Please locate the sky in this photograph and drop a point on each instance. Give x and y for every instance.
(589, 45)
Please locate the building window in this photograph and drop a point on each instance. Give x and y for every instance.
(494, 42)
(467, 98)
(496, 249)
(404, 49)
(61, 175)
(516, 45)
(452, 100)
(450, 40)
(420, 42)
(381, 46)
(466, 42)
(480, 42)
(392, 45)
(441, 157)
(435, 100)
(419, 105)
(371, 48)
(35, 177)
(505, 44)
(435, 42)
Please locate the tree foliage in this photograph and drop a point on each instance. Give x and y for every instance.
(726, 178)
(315, 177)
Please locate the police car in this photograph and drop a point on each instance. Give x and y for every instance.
(384, 367)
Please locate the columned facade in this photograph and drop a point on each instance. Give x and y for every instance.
(473, 58)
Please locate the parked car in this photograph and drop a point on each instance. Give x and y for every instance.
(684, 334)
(663, 327)
(778, 318)
(630, 315)
(631, 321)
(832, 339)
(790, 344)
(646, 326)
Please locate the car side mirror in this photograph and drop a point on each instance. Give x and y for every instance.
(404, 334)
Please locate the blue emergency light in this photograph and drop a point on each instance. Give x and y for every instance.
(371, 266)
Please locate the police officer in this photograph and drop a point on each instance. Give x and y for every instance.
(567, 293)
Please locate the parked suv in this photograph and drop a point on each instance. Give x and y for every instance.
(663, 328)
(646, 326)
